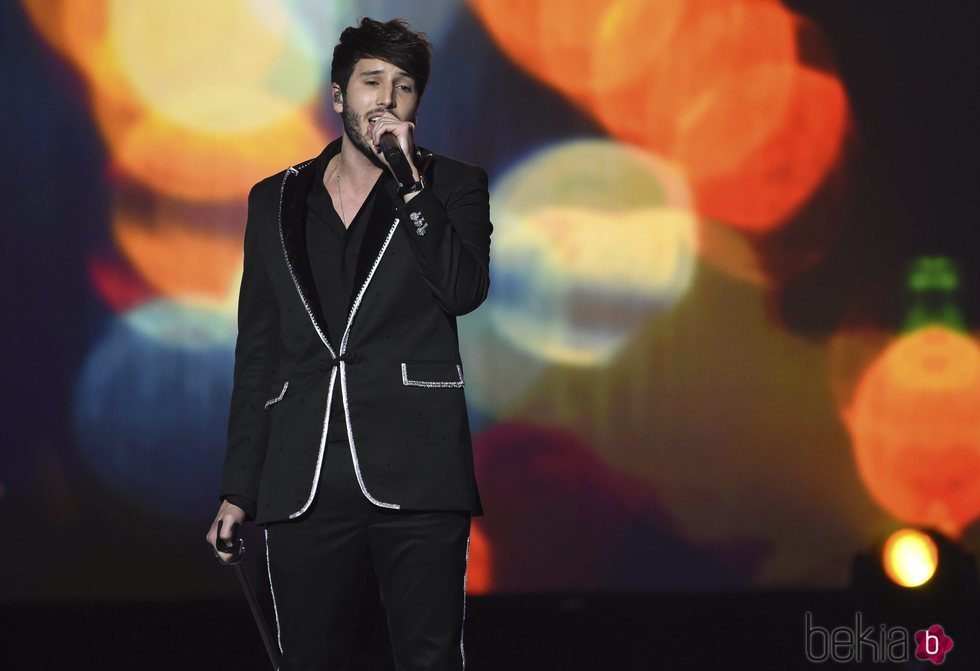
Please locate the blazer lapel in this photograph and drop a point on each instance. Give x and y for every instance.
(381, 227)
(383, 213)
(292, 233)
(380, 224)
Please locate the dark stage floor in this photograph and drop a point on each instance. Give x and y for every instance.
(752, 630)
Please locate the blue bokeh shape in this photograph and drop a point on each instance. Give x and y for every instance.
(151, 408)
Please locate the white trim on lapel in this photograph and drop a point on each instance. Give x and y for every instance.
(323, 442)
(343, 372)
(333, 370)
(367, 280)
(292, 170)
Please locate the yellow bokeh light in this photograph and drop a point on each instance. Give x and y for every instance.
(652, 264)
(183, 108)
(185, 60)
(196, 165)
(586, 297)
(592, 238)
(910, 557)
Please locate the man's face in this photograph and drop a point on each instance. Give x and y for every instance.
(375, 87)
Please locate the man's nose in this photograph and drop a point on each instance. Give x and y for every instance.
(386, 97)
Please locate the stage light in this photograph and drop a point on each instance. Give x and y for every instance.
(944, 600)
(917, 577)
(910, 558)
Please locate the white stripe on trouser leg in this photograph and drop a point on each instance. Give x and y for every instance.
(466, 567)
(268, 569)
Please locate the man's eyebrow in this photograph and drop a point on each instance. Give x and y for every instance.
(378, 71)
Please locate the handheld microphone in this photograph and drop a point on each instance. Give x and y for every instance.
(396, 159)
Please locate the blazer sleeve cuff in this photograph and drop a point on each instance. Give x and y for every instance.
(243, 502)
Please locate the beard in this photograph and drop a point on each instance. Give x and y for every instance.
(353, 132)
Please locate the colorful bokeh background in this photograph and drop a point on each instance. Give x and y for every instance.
(731, 334)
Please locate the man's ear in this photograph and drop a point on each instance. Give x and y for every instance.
(337, 97)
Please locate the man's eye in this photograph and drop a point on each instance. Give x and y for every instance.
(371, 81)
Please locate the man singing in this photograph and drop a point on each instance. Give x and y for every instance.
(348, 436)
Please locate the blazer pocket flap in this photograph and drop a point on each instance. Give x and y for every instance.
(279, 389)
(432, 374)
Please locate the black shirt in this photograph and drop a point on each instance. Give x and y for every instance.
(333, 251)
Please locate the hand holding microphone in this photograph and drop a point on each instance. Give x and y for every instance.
(393, 140)
(396, 159)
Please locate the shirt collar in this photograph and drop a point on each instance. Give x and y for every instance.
(331, 150)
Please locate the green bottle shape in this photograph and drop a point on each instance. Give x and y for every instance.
(933, 285)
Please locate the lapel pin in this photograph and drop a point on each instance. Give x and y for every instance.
(419, 221)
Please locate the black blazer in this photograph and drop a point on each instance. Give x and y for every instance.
(397, 365)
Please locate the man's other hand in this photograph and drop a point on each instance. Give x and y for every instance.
(231, 518)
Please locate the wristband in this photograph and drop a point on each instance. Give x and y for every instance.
(411, 188)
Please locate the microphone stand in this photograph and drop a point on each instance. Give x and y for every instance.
(237, 548)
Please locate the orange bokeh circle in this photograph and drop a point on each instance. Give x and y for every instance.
(582, 50)
(914, 431)
(479, 568)
(713, 46)
(179, 259)
(769, 183)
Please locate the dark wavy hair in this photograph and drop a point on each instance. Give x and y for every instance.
(392, 41)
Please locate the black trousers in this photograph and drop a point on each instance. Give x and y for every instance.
(316, 564)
